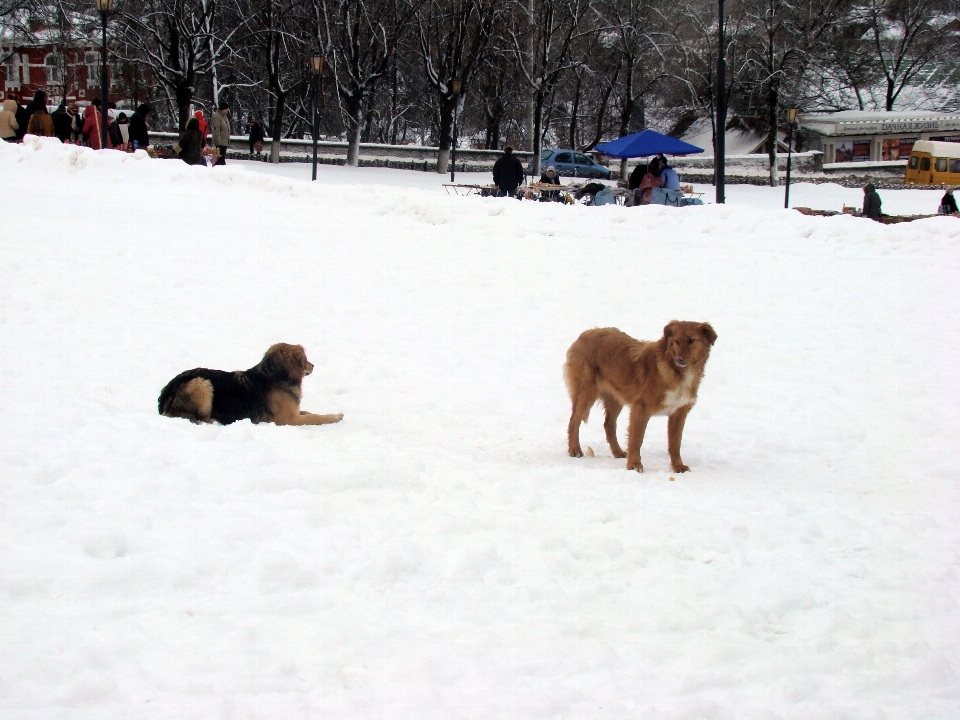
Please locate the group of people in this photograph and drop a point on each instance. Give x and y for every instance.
(69, 125)
(644, 178)
(508, 175)
(193, 139)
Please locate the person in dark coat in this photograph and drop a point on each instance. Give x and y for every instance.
(39, 101)
(948, 204)
(62, 123)
(507, 173)
(255, 132)
(191, 143)
(871, 202)
(138, 127)
(636, 177)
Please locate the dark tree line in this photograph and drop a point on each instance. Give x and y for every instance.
(530, 72)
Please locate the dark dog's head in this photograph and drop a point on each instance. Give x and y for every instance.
(286, 362)
(687, 343)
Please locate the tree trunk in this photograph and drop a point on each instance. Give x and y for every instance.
(184, 96)
(773, 97)
(446, 133)
(574, 111)
(537, 130)
(277, 128)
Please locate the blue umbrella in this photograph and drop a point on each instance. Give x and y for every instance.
(646, 143)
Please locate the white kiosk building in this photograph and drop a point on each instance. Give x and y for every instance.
(875, 136)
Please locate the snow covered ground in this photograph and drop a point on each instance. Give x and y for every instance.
(436, 554)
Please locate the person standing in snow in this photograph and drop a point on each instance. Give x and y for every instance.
(22, 117)
(507, 173)
(39, 101)
(871, 202)
(138, 127)
(220, 131)
(948, 204)
(203, 123)
(91, 125)
(8, 120)
(41, 123)
(255, 132)
(58, 123)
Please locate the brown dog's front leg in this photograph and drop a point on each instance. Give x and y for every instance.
(675, 436)
(308, 418)
(639, 418)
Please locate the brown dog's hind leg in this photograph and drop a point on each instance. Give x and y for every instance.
(582, 402)
(638, 427)
(613, 408)
(675, 436)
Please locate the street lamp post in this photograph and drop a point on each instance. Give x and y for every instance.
(720, 145)
(455, 87)
(791, 121)
(104, 7)
(316, 67)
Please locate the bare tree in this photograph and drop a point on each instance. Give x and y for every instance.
(905, 38)
(280, 48)
(454, 36)
(179, 40)
(781, 42)
(543, 51)
(360, 38)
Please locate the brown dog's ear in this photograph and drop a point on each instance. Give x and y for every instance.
(708, 332)
(669, 328)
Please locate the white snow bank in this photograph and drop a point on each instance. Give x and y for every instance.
(436, 554)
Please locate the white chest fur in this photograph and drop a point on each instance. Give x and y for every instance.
(680, 396)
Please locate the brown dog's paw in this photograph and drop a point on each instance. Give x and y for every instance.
(339, 417)
(638, 466)
(680, 467)
(575, 452)
(620, 454)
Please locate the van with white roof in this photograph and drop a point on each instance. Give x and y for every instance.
(933, 162)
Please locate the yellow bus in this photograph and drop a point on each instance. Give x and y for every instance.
(933, 162)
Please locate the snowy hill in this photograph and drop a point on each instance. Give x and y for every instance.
(436, 554)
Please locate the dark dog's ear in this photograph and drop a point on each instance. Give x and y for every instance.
(708, 332)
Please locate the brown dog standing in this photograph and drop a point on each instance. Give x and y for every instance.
(653, 378)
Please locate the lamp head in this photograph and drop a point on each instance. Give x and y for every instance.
(316, 64)
(792, 115)
(104, 5)
(455, 86)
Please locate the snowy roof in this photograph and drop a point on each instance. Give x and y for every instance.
(873, 122)
(738, 142)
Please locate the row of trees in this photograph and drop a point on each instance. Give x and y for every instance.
(567, 72)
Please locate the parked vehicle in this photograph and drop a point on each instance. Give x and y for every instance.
(570, 163)
(933, 162)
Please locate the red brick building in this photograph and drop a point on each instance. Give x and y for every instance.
(69, 72)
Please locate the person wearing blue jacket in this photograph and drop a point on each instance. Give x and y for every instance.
(668, 176)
